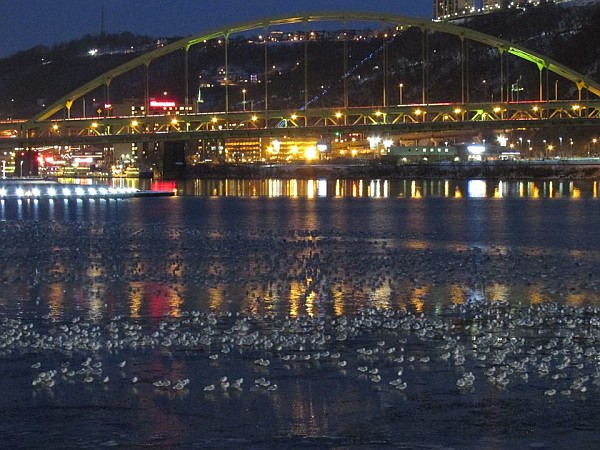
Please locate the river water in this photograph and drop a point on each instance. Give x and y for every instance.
(359, 314)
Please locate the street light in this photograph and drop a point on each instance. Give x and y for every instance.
(484, 88)
(401, 86)
(545, 148)
(571, 140)
(244, 99)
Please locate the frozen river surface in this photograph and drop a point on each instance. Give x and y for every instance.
(218, 322)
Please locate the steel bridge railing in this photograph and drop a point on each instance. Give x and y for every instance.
(319, 121)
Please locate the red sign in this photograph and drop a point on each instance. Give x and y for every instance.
(162, 104)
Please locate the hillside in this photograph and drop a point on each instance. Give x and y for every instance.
(567, 33)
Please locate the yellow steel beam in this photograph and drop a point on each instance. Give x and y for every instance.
(580, 80)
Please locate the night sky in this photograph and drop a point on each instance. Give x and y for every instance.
(27, 23)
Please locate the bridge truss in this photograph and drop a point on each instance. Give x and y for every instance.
(46, 129)
(319, 122)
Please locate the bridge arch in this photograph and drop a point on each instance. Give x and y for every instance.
(542, 61)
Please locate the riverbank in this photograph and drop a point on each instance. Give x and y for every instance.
(538, 169)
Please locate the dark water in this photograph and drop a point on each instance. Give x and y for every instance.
(424, 275)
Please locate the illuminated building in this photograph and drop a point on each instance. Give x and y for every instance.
(286, 150)
(433, 153)
(447, 8)
(498, 4)
(243, 150)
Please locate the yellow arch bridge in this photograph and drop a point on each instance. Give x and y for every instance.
(56, 125)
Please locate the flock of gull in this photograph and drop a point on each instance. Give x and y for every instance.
(551, 349)
(355, 326)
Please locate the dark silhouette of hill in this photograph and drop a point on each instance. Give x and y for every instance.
(568, 34)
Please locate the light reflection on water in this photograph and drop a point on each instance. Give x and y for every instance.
(376, 188)
(150, 300)
(320, 188)
(167, 255)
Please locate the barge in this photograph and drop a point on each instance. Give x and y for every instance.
(41, 188)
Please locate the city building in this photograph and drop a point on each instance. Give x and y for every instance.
(443, 9)
(448, 9)
(243, 150)
(412, 154)
(498, 4)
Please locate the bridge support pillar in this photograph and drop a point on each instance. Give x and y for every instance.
(26, 163)
(174, 167)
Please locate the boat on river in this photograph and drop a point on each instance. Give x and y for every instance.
(44, 188)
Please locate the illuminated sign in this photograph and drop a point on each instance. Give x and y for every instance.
(323, 146)
(476, 149)
(79, 161)
(163, 104)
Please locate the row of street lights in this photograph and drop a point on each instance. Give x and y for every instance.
(401, 95)
(244, 91)
(549, 147)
